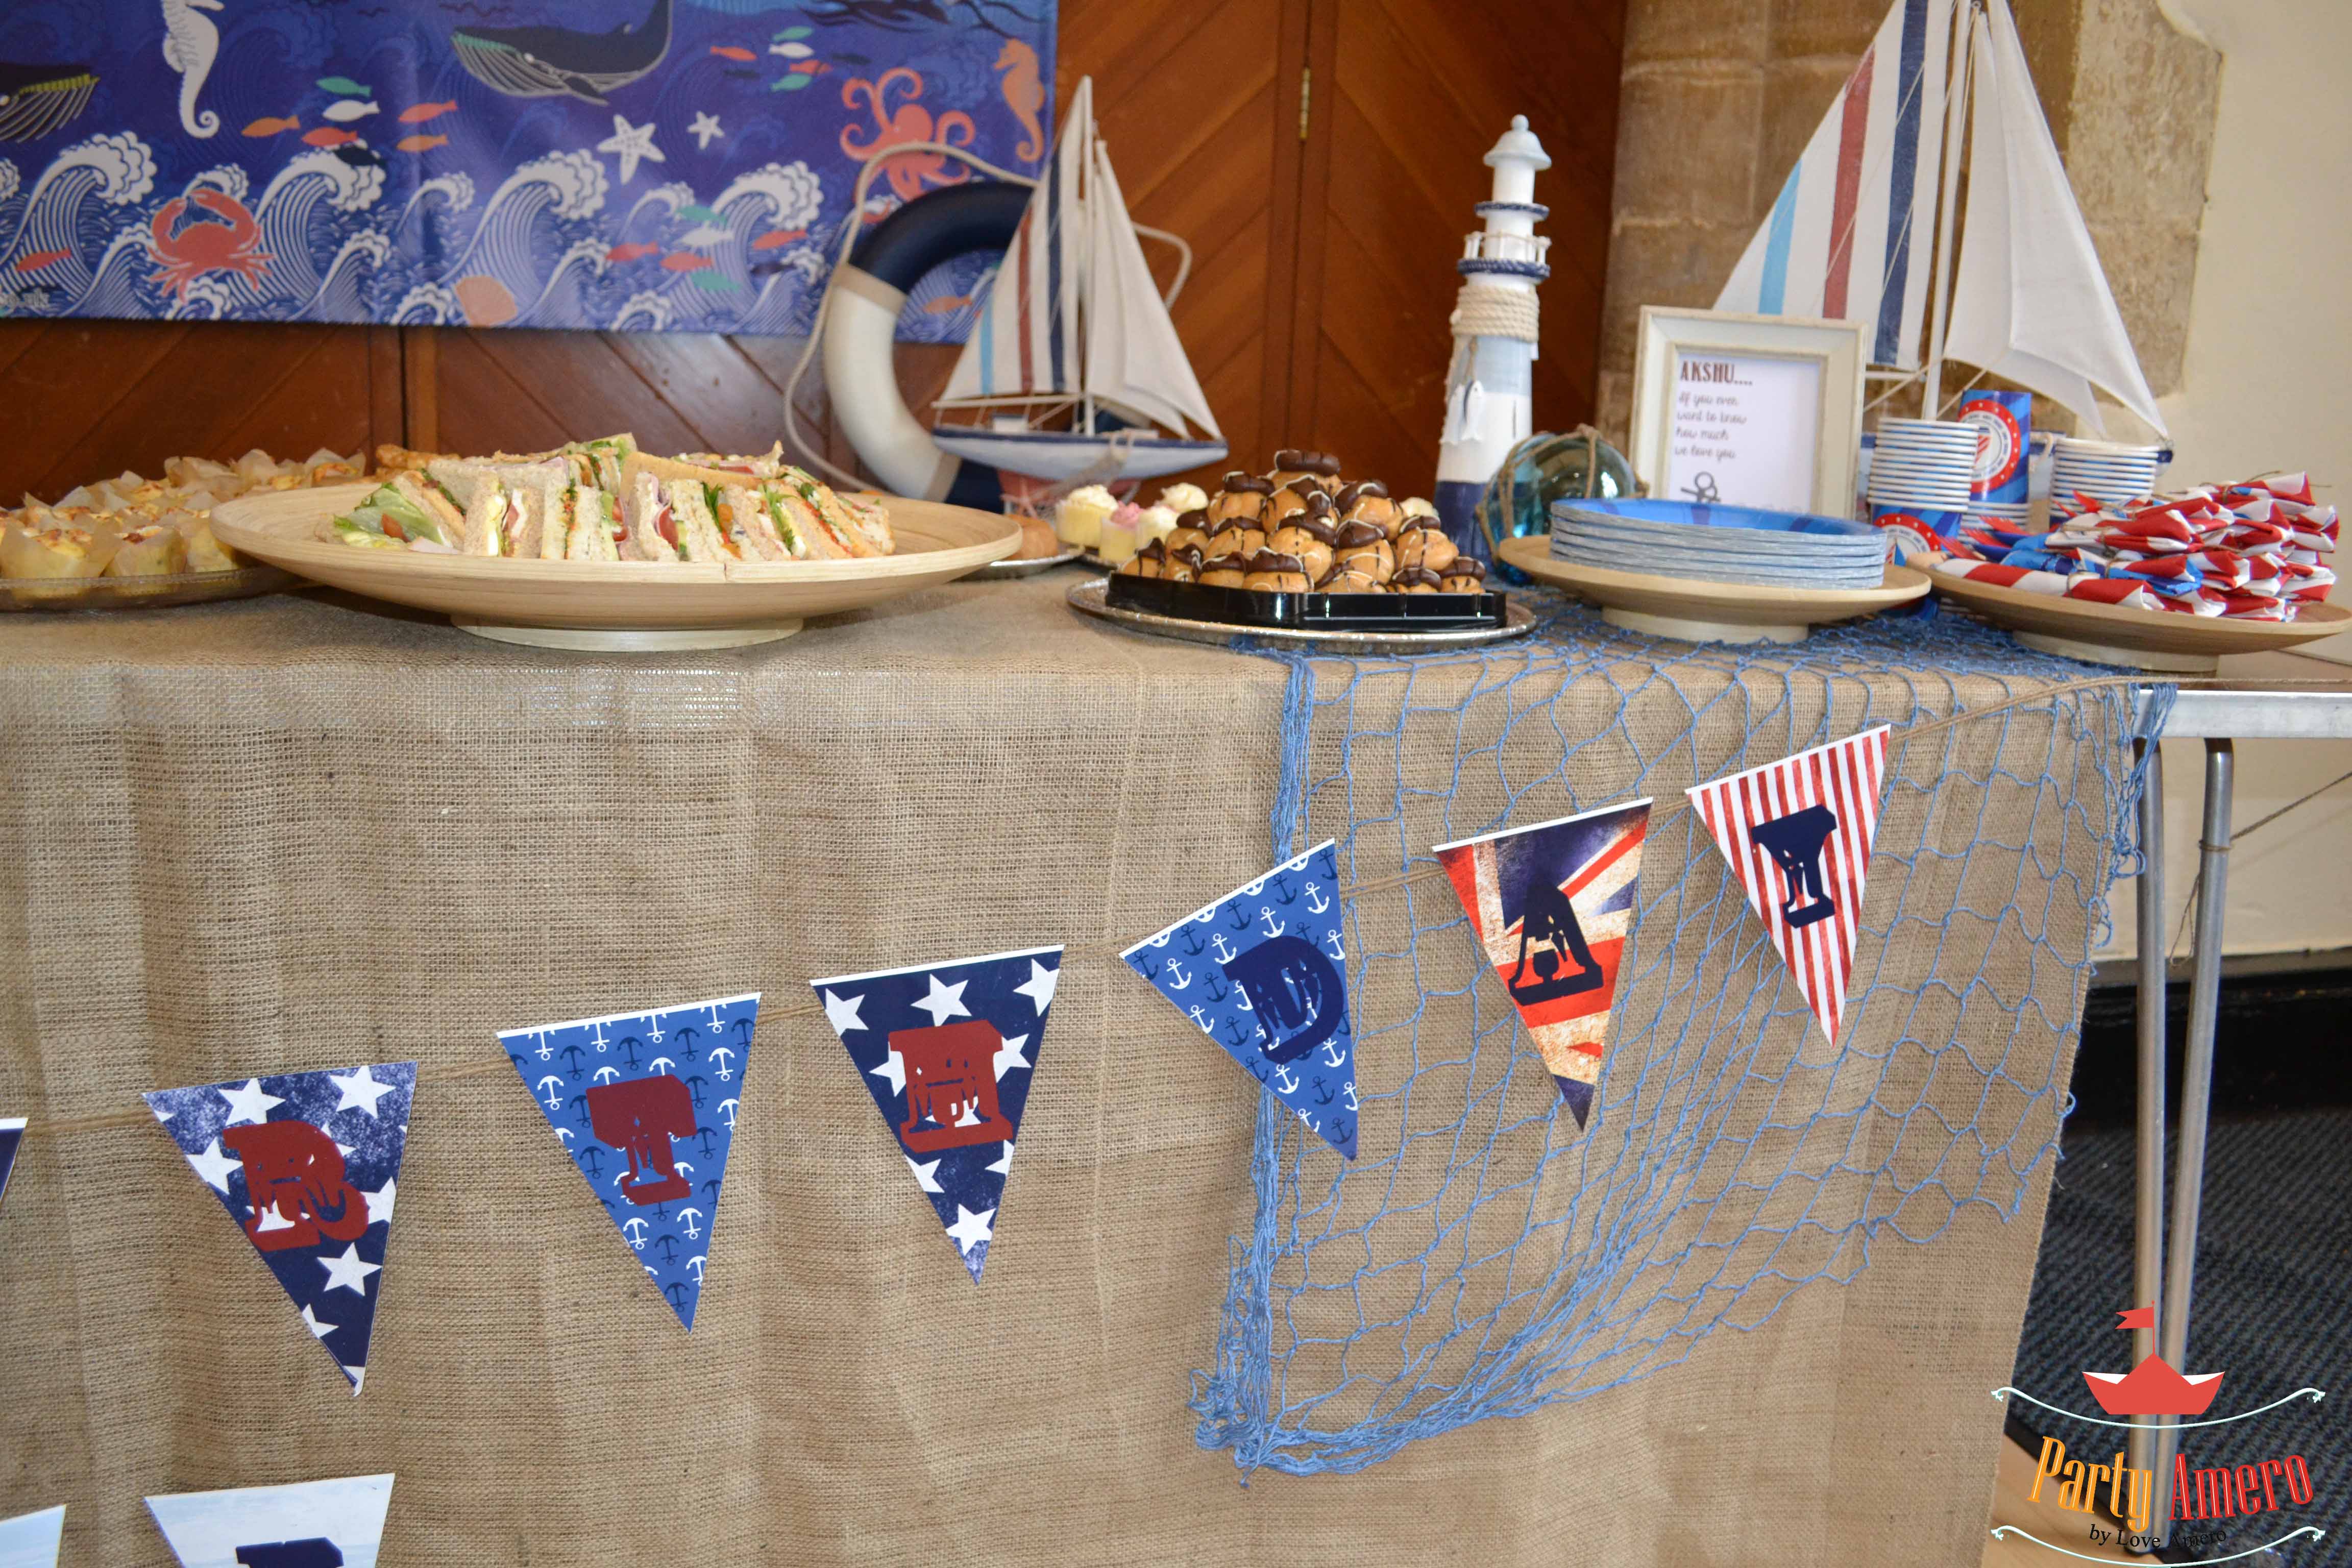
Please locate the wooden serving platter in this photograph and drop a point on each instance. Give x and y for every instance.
(1691, 610)
(615, 605)
(2137, 639)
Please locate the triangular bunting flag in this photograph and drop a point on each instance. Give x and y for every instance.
(645, 1106)
(949, 1051)
(30, 1540)
(310, 1524)
(1263, 973)
(12, 1132)
(308, 1162)
(1552, 906)
(1798, 833)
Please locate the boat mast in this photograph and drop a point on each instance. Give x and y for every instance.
(1956, 111)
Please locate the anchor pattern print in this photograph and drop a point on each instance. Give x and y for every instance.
(644, 1105)
(1264, 972)
(308, 1164)
(948, 1052)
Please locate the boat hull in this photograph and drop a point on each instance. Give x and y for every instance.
(1065, 455)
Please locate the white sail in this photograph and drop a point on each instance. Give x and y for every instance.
(1849, 236)
(1024, 342)
(1135, 361)
(2031, 302)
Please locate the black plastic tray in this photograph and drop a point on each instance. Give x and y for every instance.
(1245, 608)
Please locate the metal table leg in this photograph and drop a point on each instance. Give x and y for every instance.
(2196, 1092)
(2147, 1273)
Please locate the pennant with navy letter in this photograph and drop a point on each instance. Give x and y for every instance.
(12, 1132)
(949, 1051)
(645, 1106)
(30, 1540)
(1552, 906)
(307, 1163)
(1263, 973)
(333, 1523)
(1798, 833)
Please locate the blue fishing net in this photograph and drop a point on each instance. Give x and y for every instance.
(1482, 1256)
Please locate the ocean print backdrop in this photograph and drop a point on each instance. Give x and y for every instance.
(635, 166)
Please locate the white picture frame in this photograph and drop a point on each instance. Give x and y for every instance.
(1811, 385)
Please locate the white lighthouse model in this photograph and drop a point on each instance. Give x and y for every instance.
(1488, 408)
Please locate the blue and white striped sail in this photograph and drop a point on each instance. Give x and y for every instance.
(1024, 346)
(1851, 235)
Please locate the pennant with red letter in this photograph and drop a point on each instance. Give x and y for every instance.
(1798, 833)
(1552, 905)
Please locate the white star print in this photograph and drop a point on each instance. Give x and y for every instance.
(348, 1272)
(358, 1374)
(1040, 988)
(249, 1103)
(926, 1176)
(1003, 1166)
(971, 1229)
(214, 1166)
(840, 1012)
(345, 1149)
(1008, 1055)
(380, 1202)
(360, 1090)
(704, 128)
(894, 1069)
(944, 1002)
(310, 1321)
(631, 144)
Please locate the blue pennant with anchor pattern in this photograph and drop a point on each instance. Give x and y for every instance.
(645, 1106)
(1263, 973)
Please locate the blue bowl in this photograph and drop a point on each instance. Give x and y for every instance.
(1698, 515)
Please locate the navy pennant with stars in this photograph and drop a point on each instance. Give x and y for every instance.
(307, 1163)
(645, 1107)
(1263, 973)
(12, 1130)
(948, 1051)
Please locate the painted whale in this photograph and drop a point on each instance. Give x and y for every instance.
(543, 62)
(37, 100)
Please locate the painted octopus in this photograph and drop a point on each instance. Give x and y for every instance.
(222, 238)
(911, 121)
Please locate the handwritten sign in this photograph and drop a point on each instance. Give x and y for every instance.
(1746, 431)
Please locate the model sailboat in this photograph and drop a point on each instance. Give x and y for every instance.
(1073, 370)
(1849, 237)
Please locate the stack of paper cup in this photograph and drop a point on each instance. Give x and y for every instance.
(1919, 476)
(2102, 470)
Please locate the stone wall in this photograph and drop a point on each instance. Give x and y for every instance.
(1720, 96)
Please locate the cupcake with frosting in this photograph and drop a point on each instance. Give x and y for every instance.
(1079, 517)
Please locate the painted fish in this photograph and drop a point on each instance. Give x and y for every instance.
(791, 83)
(698, 212)
(420, 143)
(361, 157)
(775, 237)
(40, 259)
(793, 32)
(632, 252)
(684, 261)
(418, 113)
(947, 304)
(268, 126)
(808, 67)
(790, 51)
(345, 87)
(329, 136)
(541, 62)
(730, 52)
(704, 234)
(717, 283)
(345, 110)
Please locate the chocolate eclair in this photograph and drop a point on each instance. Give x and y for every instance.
(1414, 580)
(1151, 561)
(1271, 571)
(1421, 542)
(1191, 533)
(1310, 538)
(1182, 565)
(1292, 463)
(1363, 547)
(1244, 496)
(1224, 570)
(1466, 575)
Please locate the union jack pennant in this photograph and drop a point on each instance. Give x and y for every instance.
(1798, 833)
(1553, 906)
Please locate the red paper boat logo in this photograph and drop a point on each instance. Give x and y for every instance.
(2153, 1387)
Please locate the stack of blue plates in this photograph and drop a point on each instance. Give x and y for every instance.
(1718, 543)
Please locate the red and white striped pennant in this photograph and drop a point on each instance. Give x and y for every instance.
(1797, 832)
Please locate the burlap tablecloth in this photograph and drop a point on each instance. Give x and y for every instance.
(304, 832)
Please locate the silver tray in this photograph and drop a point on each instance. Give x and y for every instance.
(142, 593)
(1090, 598)
(1029, 568)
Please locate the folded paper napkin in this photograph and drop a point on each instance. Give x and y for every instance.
(2249, 552)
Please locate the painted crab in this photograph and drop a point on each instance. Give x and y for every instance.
(223, 237)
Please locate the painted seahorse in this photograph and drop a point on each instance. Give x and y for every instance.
(190, 42)
(1024, 94)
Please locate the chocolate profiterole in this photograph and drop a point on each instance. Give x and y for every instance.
(1191, 533)
(1465, 575)
(1414, 580)
(1244, 496)
(1182, 565)
(1151, 561)
(1345, 579)
(1367, 500)
(1224, 570)
(1420, 541)
(1310, 538)
(1291, 463)
(1270, 573)
(1235, 536)
(1361, 546)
